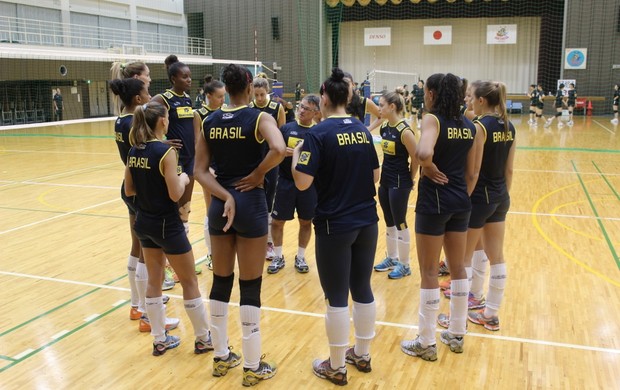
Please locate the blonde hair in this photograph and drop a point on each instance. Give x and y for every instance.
(260, 82)
(125, 70)
(145, 119)
(495, 94)
(396, 99)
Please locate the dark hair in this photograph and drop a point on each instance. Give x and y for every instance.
(145, 119)
(561, 86)
(448, 95)
(495, 94)
(396, 99)
(236, 78)
(211, 85)
(173, 66)
(573, 84)
(313, 99)
(533, 86)
(124, 70)
(336, 88)
(126, 89)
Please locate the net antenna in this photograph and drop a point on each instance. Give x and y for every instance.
(385, 80)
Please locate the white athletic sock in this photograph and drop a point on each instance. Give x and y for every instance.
(479, 263)
(497, 283)
(337, 326)
(269, 238)
(458, 306)
(207, 235)
(391, 243)
(186, 226)
(250, 325)
(219, 327)
(469, 272)
(429, 306)
(301, 252)
(404, 245)
(364, 317)
(197, 313)
(156, 311)
(278, 251)
(132, 263)
(142, 279)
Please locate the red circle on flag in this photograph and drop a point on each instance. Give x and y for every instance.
(437, 35)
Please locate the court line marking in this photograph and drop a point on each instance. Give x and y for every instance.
(562, 172)
(570, 228)
(59, 334)
(613, 189)
(58, 152)
(24, 353)
(91, 317)
(3, 357)
(604, 127)
(56, 217)
(600, 223)
(316, 315)
(54, 124)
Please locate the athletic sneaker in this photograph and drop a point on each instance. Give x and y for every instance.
(475, 303)
(477, 317)
(300, 265)
(221, 366)
(264, 371)
(443, 320)
(160, 347)
(165, 299)
(560, 124)
(547, 123)
(454, 342)
(209, 263)
(276, 265)
(531, 122)
(415, 348)
(170, 274)
(400, 271)
(197, 269)
(203, 346)
(443, 268)
(134, 313)
(323, 369)
(271, 253)
(387, 264)
(362, 363)
(145, 325)
(614, 121)
(445, 284)
(570, 123)
(168, 283)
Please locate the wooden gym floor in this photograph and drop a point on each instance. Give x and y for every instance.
(64, 240)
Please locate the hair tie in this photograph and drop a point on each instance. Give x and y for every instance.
(144, 106)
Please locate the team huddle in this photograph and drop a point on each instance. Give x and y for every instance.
(256, 168)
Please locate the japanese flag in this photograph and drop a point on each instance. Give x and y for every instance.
(437, 35)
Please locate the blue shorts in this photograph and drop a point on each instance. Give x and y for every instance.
(250, 214)
(540, 106)
(482, 214)
(439, 224)
(289, 198)
(187, 165)
(165, 233)
(271, 181)
(130, 201)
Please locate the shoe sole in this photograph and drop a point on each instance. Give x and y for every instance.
(423, 357)
(336, 382)
(453, 348)
(397, 277)
(247, 383)
(157, 352)
(274, 271)
(367, 368)
(487, 327)
(302, 270)
(384, 269)
(218, 374)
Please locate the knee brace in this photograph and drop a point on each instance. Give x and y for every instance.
(184, 211)
(221, 288)
(250, 291)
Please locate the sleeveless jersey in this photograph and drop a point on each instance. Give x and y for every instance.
(340, 155)
(491, 185)
(357, 107)
(233, 139)
(145, 164)
(572, 97)
(559, 96)
(533, 98)
(540, 95)
(272, 108)
(181, 116)
(616, 97)
(293, 133)
(122, 127)
(450, 156)
(395, 172)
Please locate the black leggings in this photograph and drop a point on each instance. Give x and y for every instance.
(344, 262)
(394, 203)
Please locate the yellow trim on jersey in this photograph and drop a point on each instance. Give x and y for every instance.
(257, 106)
(307, 127)
(124, 115)
(176, 94)
(365, 104)
(438, 126)
(256, 133)
(402, 133)
(165, 100)
(161, 161)
(231, 109)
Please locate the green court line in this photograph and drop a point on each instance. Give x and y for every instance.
(7, 358)
(598, 220)
(549, 149)
(74, 330)
(56, 135)
(606, 181)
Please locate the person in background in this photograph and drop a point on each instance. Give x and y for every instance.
(59, 106)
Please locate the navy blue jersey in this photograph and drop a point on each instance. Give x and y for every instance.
(395, 171)
(616, 97)
(357, 107)
(491, 185)
(559, 96)
(293, 133)
(533, 98)
(450, 156)
(122, 127)
(572, 97)
(234, 142)
(540, 95)
(181, 117)
(340, 155)
(146, 166)
(272, 108)
(204, 111)
(418, 97)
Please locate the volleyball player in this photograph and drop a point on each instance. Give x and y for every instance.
(126, 70)
(616, 100)
(570, 102)
(151, 175)
(559, 102)
(533, 95)
(397, 177)
(232, 140)
(491, 200)
(288, 198)
(447, 154)
(339, 157)
(417, 102)
(358, 106)
(214, 93)
(263, 102)
(540, 103)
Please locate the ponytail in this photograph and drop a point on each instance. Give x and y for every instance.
(145, 119)
(495, 94)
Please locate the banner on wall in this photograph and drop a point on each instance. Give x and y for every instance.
(437, 35)
(575, 58)
(501, 34)
(381, 36)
